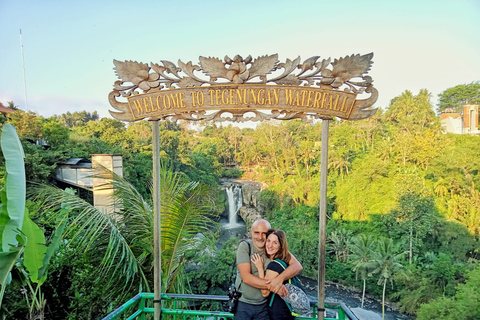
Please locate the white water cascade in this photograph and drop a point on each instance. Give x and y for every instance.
(234, 201)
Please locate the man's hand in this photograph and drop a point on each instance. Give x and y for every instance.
(275, 285)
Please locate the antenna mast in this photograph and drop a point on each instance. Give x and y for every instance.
(23, 65)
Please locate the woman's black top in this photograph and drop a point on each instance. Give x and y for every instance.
(278, 309)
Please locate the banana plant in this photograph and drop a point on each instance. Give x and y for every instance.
(36, 260)
(12, 210)
(18, 233)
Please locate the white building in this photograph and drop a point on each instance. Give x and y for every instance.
(466, 123)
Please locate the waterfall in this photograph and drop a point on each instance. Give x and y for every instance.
(234, 201)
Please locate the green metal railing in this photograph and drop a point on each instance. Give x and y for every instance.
(188, 306)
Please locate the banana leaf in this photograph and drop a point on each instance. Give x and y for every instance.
(7, 262)
(12, 209)
(35, 249)
(13, 196)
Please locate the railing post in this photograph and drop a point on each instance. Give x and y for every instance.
(141, 306)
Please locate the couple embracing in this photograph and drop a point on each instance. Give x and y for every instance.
(259, 276)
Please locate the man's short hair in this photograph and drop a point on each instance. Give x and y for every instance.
(262, 221)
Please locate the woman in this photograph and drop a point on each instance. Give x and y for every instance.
(275, 248)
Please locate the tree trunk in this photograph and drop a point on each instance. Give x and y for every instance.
(306, 166)
(363, 294)
(411, 253)
(272, 152)
(383, 298)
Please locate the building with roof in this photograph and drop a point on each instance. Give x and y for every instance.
(90, 178)
(4, 110)
(460, 123)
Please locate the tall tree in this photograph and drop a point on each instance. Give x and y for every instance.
(77, 118)
(414, 127)
(458, 96)
(12, 105)
(409, 112)
(415, 217)
(28, 124)
(55, 134)
(339, 242)
(386, 264)
(360, 256)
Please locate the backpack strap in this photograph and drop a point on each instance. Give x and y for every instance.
(295, 280)
(248, 243)
(249, 254)
(282, 263)
(284, 266)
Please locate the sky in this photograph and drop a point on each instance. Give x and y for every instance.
(69, 46)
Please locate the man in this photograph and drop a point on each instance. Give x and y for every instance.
(252, 305)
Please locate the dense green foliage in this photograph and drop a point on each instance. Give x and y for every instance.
(403, 200)
(465, 304)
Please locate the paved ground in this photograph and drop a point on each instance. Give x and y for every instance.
(363, 314)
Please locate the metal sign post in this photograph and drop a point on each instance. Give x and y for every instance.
(322, 220)
(157, 222)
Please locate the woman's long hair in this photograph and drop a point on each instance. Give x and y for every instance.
(282, 253)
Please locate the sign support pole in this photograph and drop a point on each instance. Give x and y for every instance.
(157, 221)
(322, 221)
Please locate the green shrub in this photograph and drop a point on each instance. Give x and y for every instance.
(232, 173)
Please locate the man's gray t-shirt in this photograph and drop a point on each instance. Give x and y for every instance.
(250, 294)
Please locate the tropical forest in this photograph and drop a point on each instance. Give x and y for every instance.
(403, 208)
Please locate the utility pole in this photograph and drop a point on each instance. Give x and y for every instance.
(23, 65)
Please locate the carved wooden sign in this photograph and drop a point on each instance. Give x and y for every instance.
(241, 89)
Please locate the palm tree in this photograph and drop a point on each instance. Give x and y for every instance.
(307, 155)
(360, 256)
(441, 188)
(385, 263)
(453, 207)
(186, 212)
(339, 162)
(471, 218)
(123, 242)
(339, 243)
(12, 105)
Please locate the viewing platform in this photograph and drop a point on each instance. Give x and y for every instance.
(191, 307)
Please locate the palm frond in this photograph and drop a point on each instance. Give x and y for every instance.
(92, 231)
(185, 213)
(123, 241)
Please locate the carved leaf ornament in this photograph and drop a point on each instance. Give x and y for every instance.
(241, 89)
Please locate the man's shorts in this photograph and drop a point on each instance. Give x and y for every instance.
(246, 311)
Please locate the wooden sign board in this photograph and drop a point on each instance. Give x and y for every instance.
(240, 90)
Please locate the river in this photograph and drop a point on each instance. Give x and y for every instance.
(353, 299)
